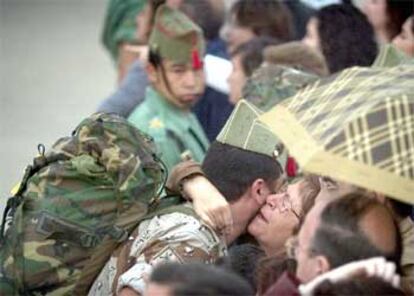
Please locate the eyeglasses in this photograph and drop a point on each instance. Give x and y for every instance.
(286, 204)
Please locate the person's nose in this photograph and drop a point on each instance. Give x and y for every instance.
(273, 200)
(190, 79)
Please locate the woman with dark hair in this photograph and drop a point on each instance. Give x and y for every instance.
(387, 16)
(343, 35)
(253, 18)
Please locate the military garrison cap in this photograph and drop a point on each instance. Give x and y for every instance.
(356, 126)
(244, 131)
(175, 37)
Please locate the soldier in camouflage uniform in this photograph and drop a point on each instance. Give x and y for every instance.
(241, 165)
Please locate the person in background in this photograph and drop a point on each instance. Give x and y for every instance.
(175, 71)
(246, 58)
(387, 16)
(343, 35)
(301, 13)
(253, 18)
(338, 232)
(119, 32)
(213, 108)
(404, 41)
(131, 90)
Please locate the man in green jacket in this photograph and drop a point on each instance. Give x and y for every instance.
(176, 75)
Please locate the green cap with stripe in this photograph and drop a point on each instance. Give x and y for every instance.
(175, 37)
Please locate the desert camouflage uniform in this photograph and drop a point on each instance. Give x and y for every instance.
(176, 236)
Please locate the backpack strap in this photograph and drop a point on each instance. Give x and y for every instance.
(127, 220)
(14, 201)
(130, 219)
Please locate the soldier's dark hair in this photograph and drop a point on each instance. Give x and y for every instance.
(265, 18)
(199, 279)
(155, 59)
(233, 170)
(251, 53)
(347, 38)
(339, 236)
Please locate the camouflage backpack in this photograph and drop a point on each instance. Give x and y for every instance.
(75, 205)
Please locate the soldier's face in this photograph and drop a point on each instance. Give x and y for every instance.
(180, 84)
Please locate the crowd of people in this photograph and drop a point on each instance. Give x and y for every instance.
(295, 179)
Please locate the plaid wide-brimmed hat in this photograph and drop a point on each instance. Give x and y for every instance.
(356, 126)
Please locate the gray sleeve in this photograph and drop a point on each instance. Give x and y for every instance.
(130, 93)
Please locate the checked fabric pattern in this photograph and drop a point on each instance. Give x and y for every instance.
(357, 125)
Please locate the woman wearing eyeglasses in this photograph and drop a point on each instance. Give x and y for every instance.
(282, 214)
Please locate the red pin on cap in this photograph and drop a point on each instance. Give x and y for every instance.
(197, 62)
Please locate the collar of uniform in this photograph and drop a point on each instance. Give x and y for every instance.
(167, 110)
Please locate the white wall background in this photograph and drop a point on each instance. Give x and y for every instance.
(53, 72)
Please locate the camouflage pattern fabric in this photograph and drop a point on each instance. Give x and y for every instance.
(270, 84)
(90, 187)
(176, 236)
(355, 126)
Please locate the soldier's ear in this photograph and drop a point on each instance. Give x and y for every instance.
(259, 191)
(151, 72)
